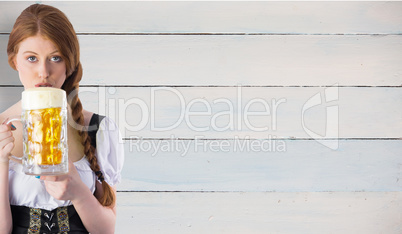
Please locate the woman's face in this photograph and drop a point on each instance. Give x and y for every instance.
(39, 63)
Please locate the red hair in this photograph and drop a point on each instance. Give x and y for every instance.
(53, 24)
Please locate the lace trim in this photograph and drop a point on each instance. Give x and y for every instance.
(62, 217)
(34, 221)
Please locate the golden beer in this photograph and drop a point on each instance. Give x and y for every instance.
(44, 116)
(44, 129)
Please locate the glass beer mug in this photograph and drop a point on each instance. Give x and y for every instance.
(44, 119)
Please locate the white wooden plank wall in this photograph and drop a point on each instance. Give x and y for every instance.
(244, 117)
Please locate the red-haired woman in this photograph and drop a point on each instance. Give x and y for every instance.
(43, 48)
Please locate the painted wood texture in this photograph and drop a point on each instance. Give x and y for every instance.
(223, 17)
(262, 165)
(263, 60)
(316, 213)
(202, 52)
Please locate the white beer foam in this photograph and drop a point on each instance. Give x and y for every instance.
(42, 98)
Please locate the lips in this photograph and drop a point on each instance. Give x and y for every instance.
(43, 85)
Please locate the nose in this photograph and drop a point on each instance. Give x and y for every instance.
(43, 70)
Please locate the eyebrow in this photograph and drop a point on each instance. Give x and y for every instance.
(26, 52)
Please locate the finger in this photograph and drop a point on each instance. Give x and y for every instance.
(5, 142)
(7, 151)
(4, 128)
(8, 122)
(12, 127)
(49, 178)
(6, 136)
(7, 127)
(9, 147)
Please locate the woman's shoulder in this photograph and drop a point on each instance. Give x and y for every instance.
(87, 117)
(11, 112)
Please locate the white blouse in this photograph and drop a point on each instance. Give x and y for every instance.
(27, 190)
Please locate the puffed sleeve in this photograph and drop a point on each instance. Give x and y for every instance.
(110, 151)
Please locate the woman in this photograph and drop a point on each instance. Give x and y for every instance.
(44, 49)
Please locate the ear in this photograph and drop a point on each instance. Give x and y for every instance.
(14, 61)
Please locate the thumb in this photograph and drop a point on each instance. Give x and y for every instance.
(6, 152)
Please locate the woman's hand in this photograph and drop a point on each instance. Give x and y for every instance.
(65, 187)
(6, 142)
(6, 146)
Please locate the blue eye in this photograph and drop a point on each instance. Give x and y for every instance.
(56, 59)
(31, 59)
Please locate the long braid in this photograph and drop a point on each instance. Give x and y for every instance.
(71, 86)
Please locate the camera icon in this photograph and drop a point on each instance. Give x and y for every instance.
(331, 95)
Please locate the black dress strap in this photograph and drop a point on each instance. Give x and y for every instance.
(94, 127)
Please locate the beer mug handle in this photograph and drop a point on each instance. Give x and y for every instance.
(6, 122)
(11, 119)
